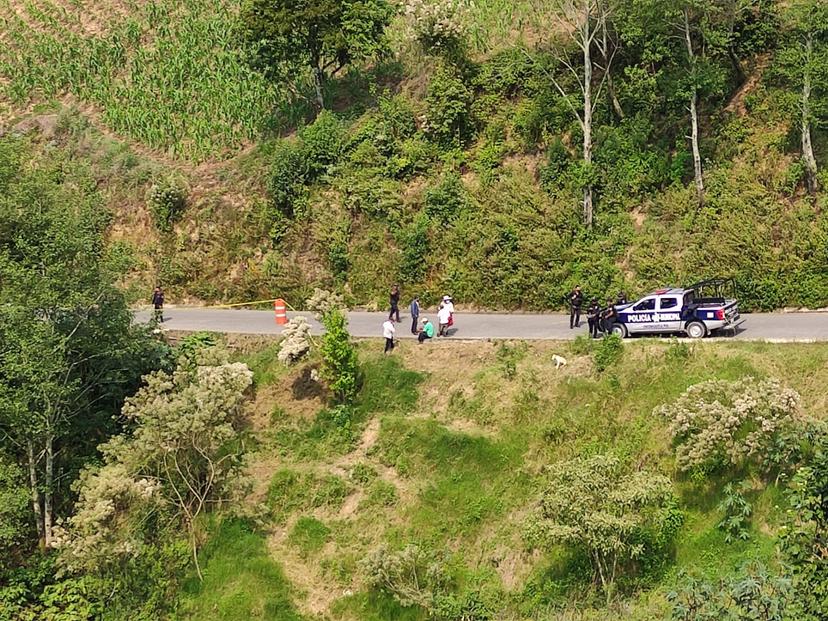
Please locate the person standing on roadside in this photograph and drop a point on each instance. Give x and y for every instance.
(415, 314)
(622, 299)
(158, 304)
(608, 317)
(395, 303)
(594, 318)
(576, 300)
(388, 331)
(443, 319)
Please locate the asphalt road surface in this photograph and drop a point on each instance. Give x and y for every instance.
(777, 327)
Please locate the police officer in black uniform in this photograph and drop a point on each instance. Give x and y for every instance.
(594, 318)
(622, 299)
(608, 317)
(576, 300)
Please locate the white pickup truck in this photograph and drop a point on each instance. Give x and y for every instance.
(677, 311)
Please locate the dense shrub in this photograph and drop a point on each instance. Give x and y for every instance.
(339, 359)
(448, 111)
(413, 575)
(804, 538)
(753, 594)
(718, 424)
(289, 172)
(323, 142)
(415, 248)
(608, 352)
(437, 25)
(446, 200)
(615, 517)
(167, 199)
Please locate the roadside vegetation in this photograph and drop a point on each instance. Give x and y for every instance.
(443, 122)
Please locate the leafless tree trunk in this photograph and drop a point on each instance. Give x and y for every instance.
(583, 20)
(694, 113)
(807, 147)
(35, 492)
(587, 122)
(47, 492)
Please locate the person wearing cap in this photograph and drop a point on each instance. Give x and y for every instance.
(415, 314)
(576, 300)
(427, 332)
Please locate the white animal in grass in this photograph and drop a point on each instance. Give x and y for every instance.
(559, 361)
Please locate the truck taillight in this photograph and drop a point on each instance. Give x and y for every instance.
(720, 314)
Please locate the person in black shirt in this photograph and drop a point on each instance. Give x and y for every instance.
(158, 304)
(594, 318)
(576, 300)
(609, 316)
(395, 303)
(622, 299)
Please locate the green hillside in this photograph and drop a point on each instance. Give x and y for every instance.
(448, 165)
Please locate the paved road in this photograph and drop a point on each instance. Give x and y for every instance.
(782, 327)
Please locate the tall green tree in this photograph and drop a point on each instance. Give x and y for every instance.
(322, 37)
(804, 64)
(69, 353)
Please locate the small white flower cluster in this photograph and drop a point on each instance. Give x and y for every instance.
(435, 23)
(721, 422)
(296, 342)
(321, 302)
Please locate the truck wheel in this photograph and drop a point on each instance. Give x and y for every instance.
(620, 329)
(696, 330)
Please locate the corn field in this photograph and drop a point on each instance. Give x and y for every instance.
(164, 72)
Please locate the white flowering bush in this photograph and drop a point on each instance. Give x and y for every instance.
(412, 576)
(323, 302)
(435, 23)
(720, 423)
(296, 341)
(181, 458)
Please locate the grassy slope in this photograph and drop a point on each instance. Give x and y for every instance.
(757, 224)
(450, 456)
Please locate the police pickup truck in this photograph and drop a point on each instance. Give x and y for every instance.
(679, 311)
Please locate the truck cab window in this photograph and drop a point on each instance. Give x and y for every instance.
(645, 305)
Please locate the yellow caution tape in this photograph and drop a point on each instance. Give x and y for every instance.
(249, 304)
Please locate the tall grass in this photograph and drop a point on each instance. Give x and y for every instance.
(169, 75)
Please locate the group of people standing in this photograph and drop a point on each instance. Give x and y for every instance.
(424, 331)
(599, 318)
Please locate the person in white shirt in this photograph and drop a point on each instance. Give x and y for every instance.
(388, 330)
(443, 319)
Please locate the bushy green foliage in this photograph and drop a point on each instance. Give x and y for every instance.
(445, 201)
(508, 357)
(608, 352)
(167, 199)
(14, 511)
(415, 244)
(316, 39)
(323, 142)
(736, 510)
(289, 172)
(413, 575)
(448, 103)
(720, 424)
(805, 537)
(596, 506)
(754, 594)
(339, 359)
